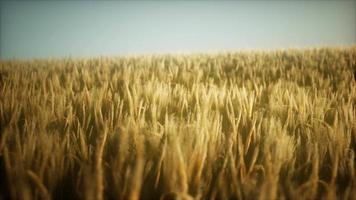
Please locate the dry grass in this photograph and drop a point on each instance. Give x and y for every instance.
(245, 125)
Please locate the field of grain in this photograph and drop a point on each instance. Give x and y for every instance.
(233, 125)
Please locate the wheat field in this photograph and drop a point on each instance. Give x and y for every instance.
(235, 125)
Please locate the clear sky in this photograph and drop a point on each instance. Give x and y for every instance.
(40, 29)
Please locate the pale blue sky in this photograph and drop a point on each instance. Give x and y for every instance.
(40, 29)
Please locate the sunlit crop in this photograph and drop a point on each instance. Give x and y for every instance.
(239, 125)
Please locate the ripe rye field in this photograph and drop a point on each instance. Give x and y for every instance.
(243, 125)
